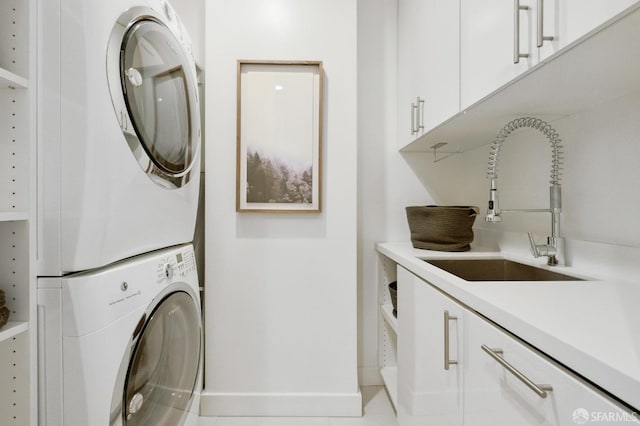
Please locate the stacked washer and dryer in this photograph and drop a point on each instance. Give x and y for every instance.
(119, 323)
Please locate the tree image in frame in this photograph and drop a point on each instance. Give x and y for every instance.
(271, 180)
(279, 137)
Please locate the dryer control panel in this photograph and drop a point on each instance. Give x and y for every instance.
(177, 267)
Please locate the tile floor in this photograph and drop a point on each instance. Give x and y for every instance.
(377, 411)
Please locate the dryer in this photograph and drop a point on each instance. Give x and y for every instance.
(119, 137)
(122, 345)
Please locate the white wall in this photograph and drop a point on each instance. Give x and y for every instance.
(600, 174)
(599, 197)
(386, 184)
(260, 318)
(280, 299)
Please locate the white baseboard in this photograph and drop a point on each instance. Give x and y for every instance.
(281, 404)
(369, 376)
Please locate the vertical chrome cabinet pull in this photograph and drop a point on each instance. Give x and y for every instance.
(540, 390)
(417, 116)
(420, 113)
(447, 361)
(516, 32)
(541, 38)
(414, 109)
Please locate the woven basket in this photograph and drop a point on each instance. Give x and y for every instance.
(393, 293)
(4, 311)
(442, 228)
(4, 316)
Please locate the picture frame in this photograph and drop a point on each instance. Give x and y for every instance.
(279, 136)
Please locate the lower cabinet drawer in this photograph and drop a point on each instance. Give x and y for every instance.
(508, 383)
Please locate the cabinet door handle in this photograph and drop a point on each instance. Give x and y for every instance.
(447, 361)
(495, 353)
(541, 38)
(516, 32)
(417, 116)
(414, 109)
(420, 113)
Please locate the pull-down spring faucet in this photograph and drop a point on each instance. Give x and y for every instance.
(554, 247)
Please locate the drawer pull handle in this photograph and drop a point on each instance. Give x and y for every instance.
(447, 361)
(540, 390)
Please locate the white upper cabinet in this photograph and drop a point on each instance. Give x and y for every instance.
(428, 65)
(568, 20)
(500, 40)
(578, 17)
(599, 36)
(489, 42)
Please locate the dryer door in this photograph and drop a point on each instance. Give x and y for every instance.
(161, 371)
(154, 91)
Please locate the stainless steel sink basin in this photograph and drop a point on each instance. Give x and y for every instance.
(497, 270)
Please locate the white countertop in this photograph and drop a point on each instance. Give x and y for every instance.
(591, 326)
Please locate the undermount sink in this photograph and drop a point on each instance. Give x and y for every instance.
(497, 270)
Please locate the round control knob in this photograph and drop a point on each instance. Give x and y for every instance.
(168, 271)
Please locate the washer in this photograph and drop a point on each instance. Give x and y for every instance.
(122, 345)
(120, 132)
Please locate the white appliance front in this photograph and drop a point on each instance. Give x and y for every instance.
(122, 345)
(119, 136)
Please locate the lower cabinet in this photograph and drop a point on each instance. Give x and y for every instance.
(457, 368)
(429, 354)
(508, 383)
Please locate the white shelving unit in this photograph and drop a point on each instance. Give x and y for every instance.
(18, 376)
(387, 329)
(598, 67)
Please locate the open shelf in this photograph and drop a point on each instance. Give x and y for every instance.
(18, 233)
(12, 329)
(13, 216)
(9, 80)
(390, 379)
(599, 67)
(387, 314)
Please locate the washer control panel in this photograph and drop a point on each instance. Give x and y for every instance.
(176, 266)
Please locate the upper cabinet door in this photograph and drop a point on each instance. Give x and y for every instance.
(568, 20)
(442, 29)
(428, 65)
(578, 17)
(488, 38)
(493, 32)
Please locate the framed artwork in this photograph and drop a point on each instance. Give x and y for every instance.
(279, 136)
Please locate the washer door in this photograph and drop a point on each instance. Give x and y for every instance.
(154, 91)
(157, 379)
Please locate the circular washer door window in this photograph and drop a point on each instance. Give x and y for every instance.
(164, 365)
(157, 102)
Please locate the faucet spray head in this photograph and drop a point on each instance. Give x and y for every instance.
(493, 210)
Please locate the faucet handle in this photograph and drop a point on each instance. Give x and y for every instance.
(548, 250)
(535, 251)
